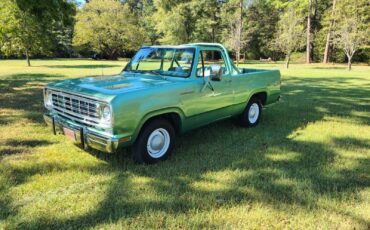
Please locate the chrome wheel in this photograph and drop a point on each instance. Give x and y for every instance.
(158, 143)
(253, 113)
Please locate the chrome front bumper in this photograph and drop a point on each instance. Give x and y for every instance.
(82, 136)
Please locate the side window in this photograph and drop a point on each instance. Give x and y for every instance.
(209, 58)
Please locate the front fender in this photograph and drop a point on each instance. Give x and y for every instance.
(156, 113)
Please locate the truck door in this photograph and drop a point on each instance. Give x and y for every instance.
(210, 101)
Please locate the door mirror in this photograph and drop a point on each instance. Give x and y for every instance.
(215, 72)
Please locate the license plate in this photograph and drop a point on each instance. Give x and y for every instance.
(70, 134)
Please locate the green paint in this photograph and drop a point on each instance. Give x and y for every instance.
(136, 96)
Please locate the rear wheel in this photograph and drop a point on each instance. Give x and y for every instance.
(155, 142)
(251, 114)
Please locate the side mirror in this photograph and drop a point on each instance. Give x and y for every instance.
(216, 72)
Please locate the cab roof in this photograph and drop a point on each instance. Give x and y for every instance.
(188, 45)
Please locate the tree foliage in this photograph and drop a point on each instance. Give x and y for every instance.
(353, 32)
(175, 21)
(145, 13)
(234, 38)
(114, 28)
(260, 28)
(108, 27)
(290, 33)
(31, 27)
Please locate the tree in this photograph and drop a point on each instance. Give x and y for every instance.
(146, 11)
(109, 27)
(175, 20)
(309, 41)
(190, 20)
(260, 24)
(26, 27)
(235, 39)
(312, 11)
(208, 20)
(328, 44)
(290, 34)
(353, 32)
(18, 35)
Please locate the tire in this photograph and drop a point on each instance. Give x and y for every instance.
(155, 142)
(252, 113)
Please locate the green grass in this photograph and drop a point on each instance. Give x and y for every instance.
(307, 165)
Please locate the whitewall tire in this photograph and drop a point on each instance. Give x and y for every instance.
(155, 142)
(251, 114)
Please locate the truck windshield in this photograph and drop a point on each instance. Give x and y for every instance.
(176, 62)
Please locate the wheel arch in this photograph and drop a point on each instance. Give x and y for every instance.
(261, 95)
(174, 115)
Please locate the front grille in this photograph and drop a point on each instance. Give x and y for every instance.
(75, 107)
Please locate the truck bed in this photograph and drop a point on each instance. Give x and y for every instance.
(249, 70)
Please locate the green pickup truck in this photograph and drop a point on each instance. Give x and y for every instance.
(162, 92)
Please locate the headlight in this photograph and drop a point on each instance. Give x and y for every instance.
(48, 100)
(106, 113)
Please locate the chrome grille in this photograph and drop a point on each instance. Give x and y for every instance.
(76, 107)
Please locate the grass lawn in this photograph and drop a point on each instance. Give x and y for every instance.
(306, 166)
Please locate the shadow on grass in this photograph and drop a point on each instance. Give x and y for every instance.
(275, 180)
(27, 143)
(6, 209)
(23, 94)
(10, 82)
(17, 176)
(330, 67)
(96, 66)
(349, 143)
(21, 146)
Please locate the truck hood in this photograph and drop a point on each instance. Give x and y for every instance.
(107, 87)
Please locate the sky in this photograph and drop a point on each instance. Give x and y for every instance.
(80, 2)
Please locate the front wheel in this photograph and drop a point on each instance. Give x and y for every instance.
(251, 114)
(155, 142)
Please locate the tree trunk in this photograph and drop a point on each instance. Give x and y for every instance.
(28, 58)
(328, 46)
(287, 61)
(237, 57)
(113, 56)
(308, 48)
(349, 63)
(240, 32)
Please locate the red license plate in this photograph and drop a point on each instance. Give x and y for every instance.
(70, 134)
